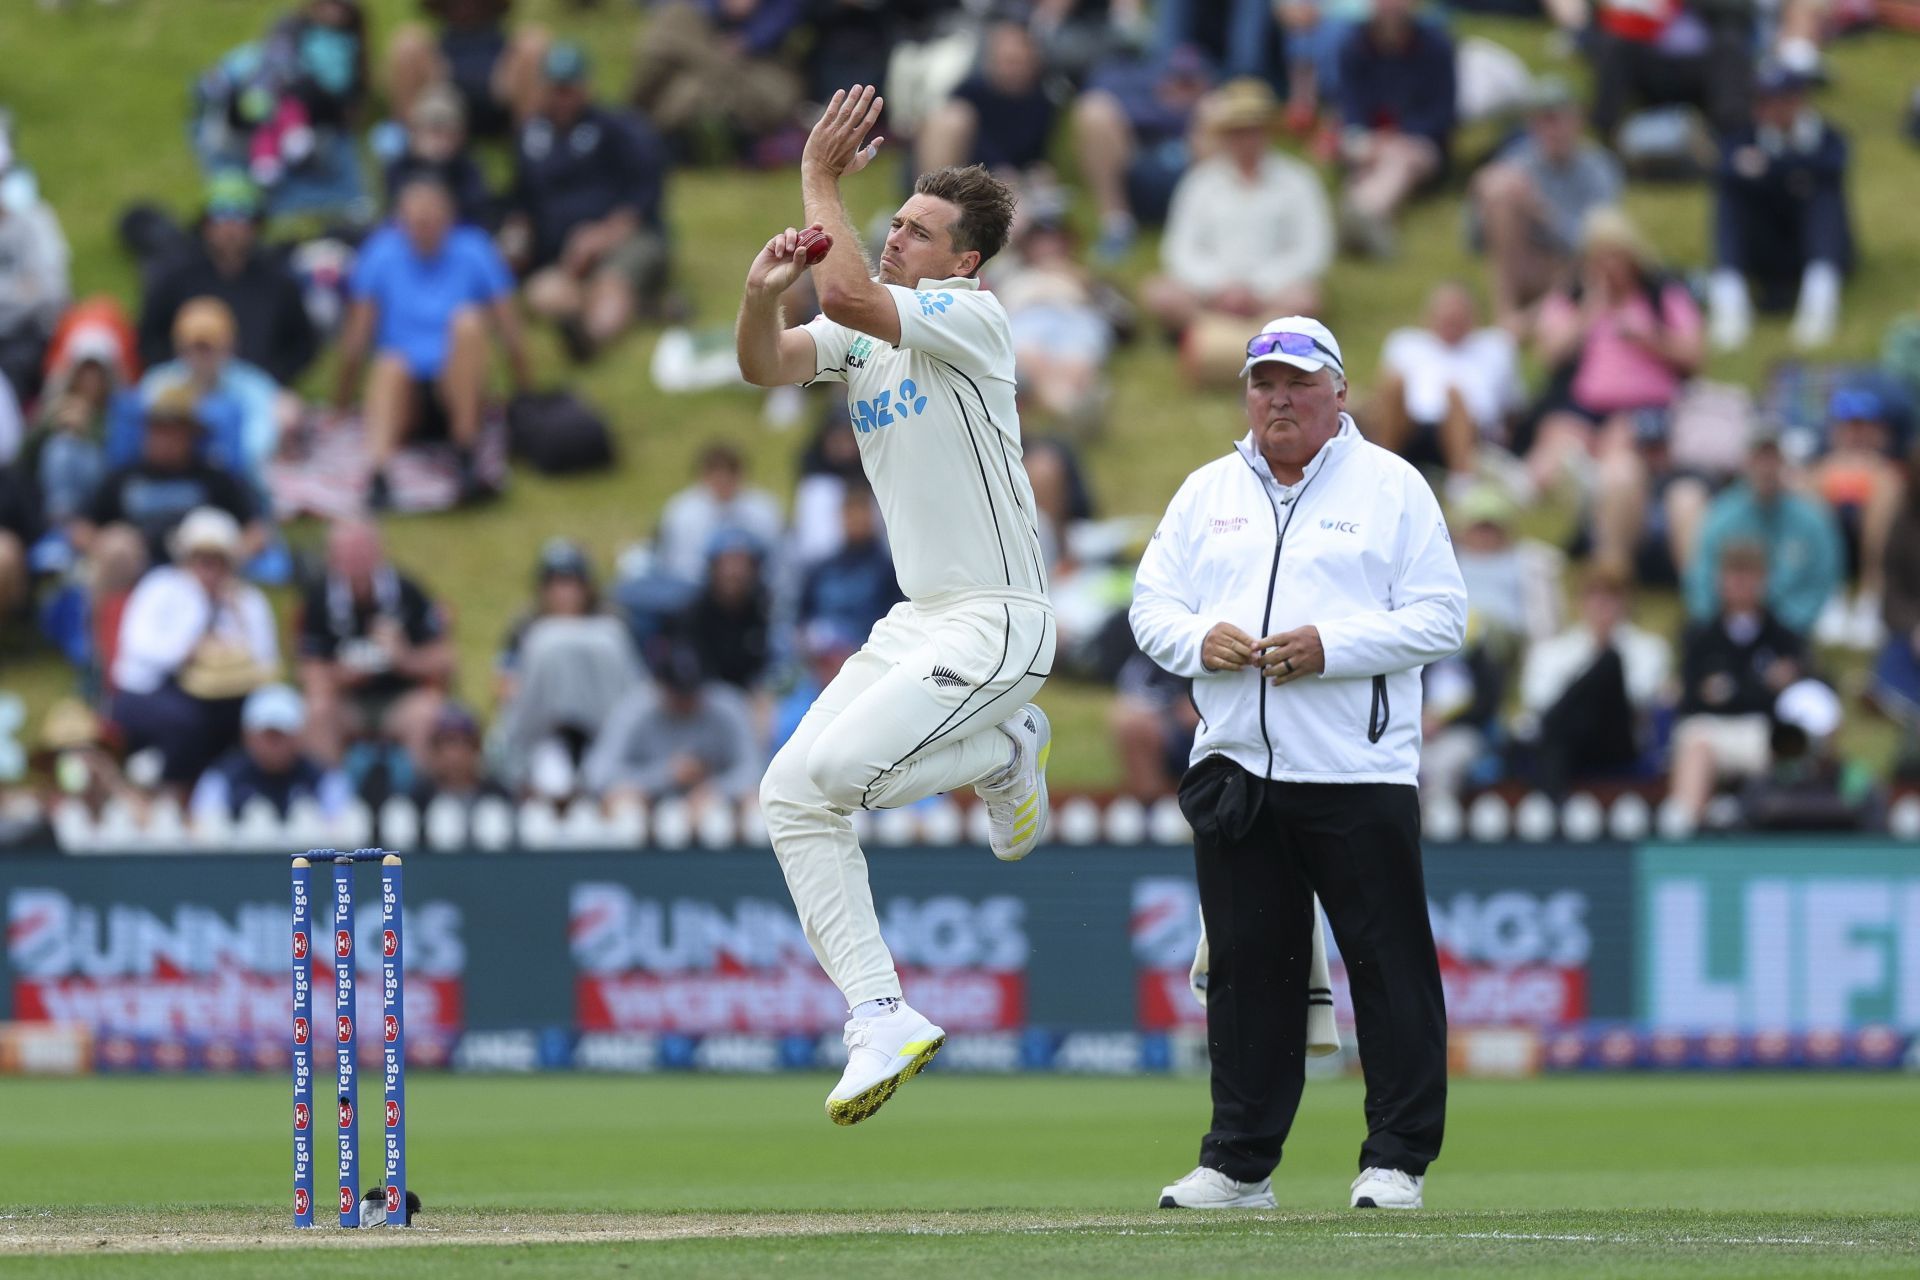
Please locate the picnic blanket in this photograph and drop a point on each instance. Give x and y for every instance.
(322, 468)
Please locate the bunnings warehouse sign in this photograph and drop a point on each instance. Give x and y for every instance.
(1073, 959)
(1766, 937)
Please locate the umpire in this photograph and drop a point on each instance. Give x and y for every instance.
(1302, 581)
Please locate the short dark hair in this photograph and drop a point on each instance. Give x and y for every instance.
(985, 204)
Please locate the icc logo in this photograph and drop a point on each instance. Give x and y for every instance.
(344, 1028)
(300, 945)
(346, 1113)
(393, 1113)
(301, 1031)
(389, 944)
(301, 1204)
(302, 1115)
(346, 1200)
(392, 1029)
(342, 944)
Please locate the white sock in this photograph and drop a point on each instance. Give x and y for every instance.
(876, 1008)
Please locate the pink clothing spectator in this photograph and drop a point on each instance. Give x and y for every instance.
(1617, 373)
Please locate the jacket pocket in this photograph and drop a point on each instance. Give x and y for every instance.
(1380, 712)
(1219, 799)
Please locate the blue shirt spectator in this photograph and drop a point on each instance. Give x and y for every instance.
(854, 587)
(1805, 560)
(415, 297)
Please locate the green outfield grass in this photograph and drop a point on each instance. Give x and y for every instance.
(577, 1176)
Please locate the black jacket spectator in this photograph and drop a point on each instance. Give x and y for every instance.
(730, 624)
(275, 331)
(335, 627)
(1409, 90)
(1780, 203)
(1014, 126)
(603, 162)
(851, 589)
(458, 174)
(1725, 674)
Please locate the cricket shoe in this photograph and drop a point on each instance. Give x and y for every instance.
(1017, 797)
(882, 1054)
(1206, 1188)
(1387, 1189)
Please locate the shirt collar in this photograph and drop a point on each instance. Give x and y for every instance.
(951, 282)
(1341, 441)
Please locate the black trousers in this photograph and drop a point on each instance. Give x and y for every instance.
(1262, 850)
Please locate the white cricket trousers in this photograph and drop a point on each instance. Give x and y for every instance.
(915, 712)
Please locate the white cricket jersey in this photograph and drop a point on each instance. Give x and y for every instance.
(939, 437)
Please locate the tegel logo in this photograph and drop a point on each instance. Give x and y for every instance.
(301, 1031)
(300, 945)
(346, 1113)
(393, 1113)
(1340, 526)
(302, 1115)
(390, 1030)
(343, 1028)
(342, 944)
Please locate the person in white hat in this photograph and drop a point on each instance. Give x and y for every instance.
(268, 765)
(195, 639)
(1302, 581)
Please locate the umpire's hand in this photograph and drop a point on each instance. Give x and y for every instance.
(1226, 648)
(1288, 655)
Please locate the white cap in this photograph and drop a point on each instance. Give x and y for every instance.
(273, 706)
(1310, 329)
(207, 529)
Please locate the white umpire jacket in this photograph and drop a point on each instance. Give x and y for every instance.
(1360, 550)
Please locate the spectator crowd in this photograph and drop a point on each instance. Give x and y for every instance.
(1742, 577)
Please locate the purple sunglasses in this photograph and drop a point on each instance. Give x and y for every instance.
(1292, 344)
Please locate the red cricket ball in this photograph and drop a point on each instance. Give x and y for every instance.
(816, 242)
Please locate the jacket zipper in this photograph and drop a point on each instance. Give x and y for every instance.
(1280, 528)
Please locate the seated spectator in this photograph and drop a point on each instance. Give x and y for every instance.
(1317, 30)
(717, 502)
(854, 587)
(434, 145)
(169, 479)
(268, 765)
(1397, 106)
(19, 530)
(194, 641)
(721, 64)
(284, 108)
(1805, 787)
(1586, 695)
(1732, 668)
(1900, 354)
(34, 284)
(454, 767)
(226, 388)
(1445, 387)
(1896, 676)
(1001, 116)
(1152, 720)
(1527, 207)
(375, 657)
(228, 262)
(65, 456)
(730, 623)
(1250, 234)
(1780, 217)
(1130, 136)
(425, 292)
(1858, 474)
(585, 215)
(1460, 702)
(1243, 36)
(1621, 343)
(1652, 53)
(1061, 318)
(564, 666)
(829, 466)
(1805, 561)
(824, 649)
(495, 70)
(691, 738)
(1513, 582)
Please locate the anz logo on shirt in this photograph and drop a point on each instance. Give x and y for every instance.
(885, 408)
(933, 304)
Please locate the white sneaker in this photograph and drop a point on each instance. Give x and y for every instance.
(882, 1054)
(1206, 1188)
(1387, 1189)
(1017, 803)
